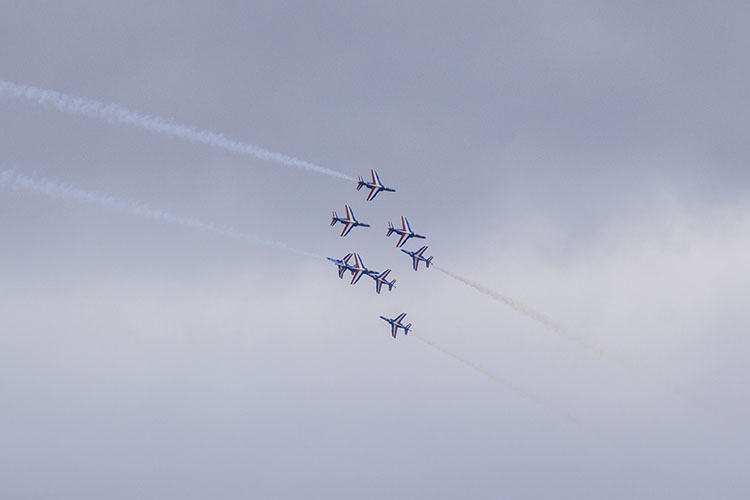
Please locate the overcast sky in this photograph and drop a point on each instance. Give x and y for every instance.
(589, 160)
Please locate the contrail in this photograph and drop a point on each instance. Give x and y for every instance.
(11, 179)
(529, 312)
(508, 384)
(114, 113)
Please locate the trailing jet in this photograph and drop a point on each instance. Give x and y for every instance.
(359, 269)
(375, 186)
(349, 222)
(405, 232)
(343, 264)
(380, 281)
(418, 255)
(396, 324)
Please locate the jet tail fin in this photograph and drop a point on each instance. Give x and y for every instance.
(390, 229)
(429, 261)
(360, 182)
(408, 327)
(333, 219)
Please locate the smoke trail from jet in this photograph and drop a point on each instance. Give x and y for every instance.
(513, 304)
(508, 384)
(527, 311)
(11, 179)
(114, 113)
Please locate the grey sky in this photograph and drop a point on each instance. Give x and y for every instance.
(588, 159)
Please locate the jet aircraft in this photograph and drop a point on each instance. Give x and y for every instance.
(405, 232)
(359, 269)
(375, 186)
(380, 281)
(396, 324)
(343, 264)
(417, 256)
(349, 222)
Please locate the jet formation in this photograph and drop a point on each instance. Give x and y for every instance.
(358, 269)
(353, 263)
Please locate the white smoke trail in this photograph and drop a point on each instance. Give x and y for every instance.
(11, 179)
(508, 384)
(513, 304)
(527, 311)
(114, 113)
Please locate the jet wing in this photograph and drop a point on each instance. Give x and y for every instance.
(405, 224)
(403, 239)
(358, 270)
(356, 275)
(347, 227)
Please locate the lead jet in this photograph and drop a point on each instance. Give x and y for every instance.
(380, 281)
(405, 232)
(375, 186)
(396, 324)
(343, 264)
(349, 222)
(359, 269)
(417, 256)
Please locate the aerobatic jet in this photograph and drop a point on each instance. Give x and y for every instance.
(375, 186)
(405, 232)
(343, 264)
(417, 256)
(349, 222)
(380, 281)
(396, 324)
(359, 269)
